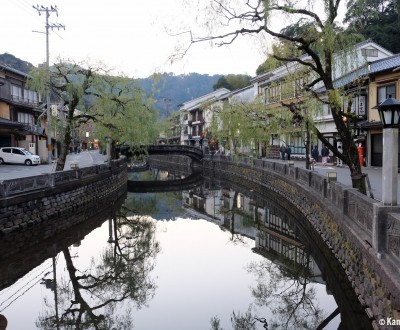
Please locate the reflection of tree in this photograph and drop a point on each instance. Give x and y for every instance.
(288, 294)
(239, 321)
(89, 299)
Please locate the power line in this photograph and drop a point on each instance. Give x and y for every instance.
(42, 9)
(32, 274)
(30, 287)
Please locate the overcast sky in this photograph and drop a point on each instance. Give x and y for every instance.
(127, 35)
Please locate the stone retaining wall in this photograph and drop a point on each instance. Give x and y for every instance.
(353, 226)
(42, 212)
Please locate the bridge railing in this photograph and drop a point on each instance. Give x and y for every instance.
(191, 151)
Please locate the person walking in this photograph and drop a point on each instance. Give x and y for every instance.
(282, 151)
(315, 154)
(288, 151)
(339, 161)
(325, 155)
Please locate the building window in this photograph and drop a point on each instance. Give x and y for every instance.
(274, 93)
(372, 52)
(25, 118)
(16, 92)
(386, 92)
(30, 96)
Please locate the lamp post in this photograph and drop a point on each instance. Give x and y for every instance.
(108, 150)
(389, 112)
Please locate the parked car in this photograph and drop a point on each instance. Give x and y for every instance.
(18, 156)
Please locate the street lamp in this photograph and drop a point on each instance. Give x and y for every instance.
(108, 150)
(389, 112)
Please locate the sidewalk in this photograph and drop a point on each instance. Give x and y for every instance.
(84, 159)
(343, 175)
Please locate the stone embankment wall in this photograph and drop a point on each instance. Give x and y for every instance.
(35, 208)
(359, 231)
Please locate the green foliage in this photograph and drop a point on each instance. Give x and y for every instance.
(114, 105)
(233, 82)
(378, 20)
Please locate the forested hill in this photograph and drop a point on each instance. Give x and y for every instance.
(170, 91)
(166, 89)
(15, 63)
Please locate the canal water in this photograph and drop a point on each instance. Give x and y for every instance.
(212, 257)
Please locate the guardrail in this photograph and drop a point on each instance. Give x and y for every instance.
(14, 187)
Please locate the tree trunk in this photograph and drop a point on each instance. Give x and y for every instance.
(65, 143)
(350, 152)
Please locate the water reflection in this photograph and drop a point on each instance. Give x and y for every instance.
(109, 278)
(288, 276)
(89, 296)
(285, 278)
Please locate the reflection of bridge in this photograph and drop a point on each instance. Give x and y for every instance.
(187, 183)
(193, 152)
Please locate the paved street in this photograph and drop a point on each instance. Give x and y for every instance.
(85, 158)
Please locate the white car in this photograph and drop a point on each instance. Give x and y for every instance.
(18, 156)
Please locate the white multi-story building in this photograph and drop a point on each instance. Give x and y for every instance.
(283, 85)
(194, 119)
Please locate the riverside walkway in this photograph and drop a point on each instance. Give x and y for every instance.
(343, 175)
(84, 159)
(93, 157)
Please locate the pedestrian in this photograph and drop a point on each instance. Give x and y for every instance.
(339, 161)
(282, 151)
(288, 151)
(325, 155)
(315, 154)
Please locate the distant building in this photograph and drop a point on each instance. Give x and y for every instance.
(20, 113)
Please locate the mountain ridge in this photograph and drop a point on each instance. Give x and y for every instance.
(167, 89)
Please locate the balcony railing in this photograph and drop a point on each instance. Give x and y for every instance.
(22, 100)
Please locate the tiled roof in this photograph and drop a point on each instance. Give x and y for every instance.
(9, 123)
(388, 63)
(385, 64)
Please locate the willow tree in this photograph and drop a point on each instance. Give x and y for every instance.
(319, 41)
(240, 124)
(89, 93)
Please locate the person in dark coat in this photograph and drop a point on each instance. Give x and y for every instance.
(315, 154)
(325, 155)
(282, 151)
(288, 152)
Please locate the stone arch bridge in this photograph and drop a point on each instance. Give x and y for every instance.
(195, 153)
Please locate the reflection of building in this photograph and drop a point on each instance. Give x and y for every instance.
(277, 238)
(279, 241)
(205, 200)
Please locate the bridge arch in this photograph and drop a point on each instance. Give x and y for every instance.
(194, 152)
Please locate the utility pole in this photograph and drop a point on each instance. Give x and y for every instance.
(48, 26)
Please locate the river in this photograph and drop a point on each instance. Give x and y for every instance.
(213, 257)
